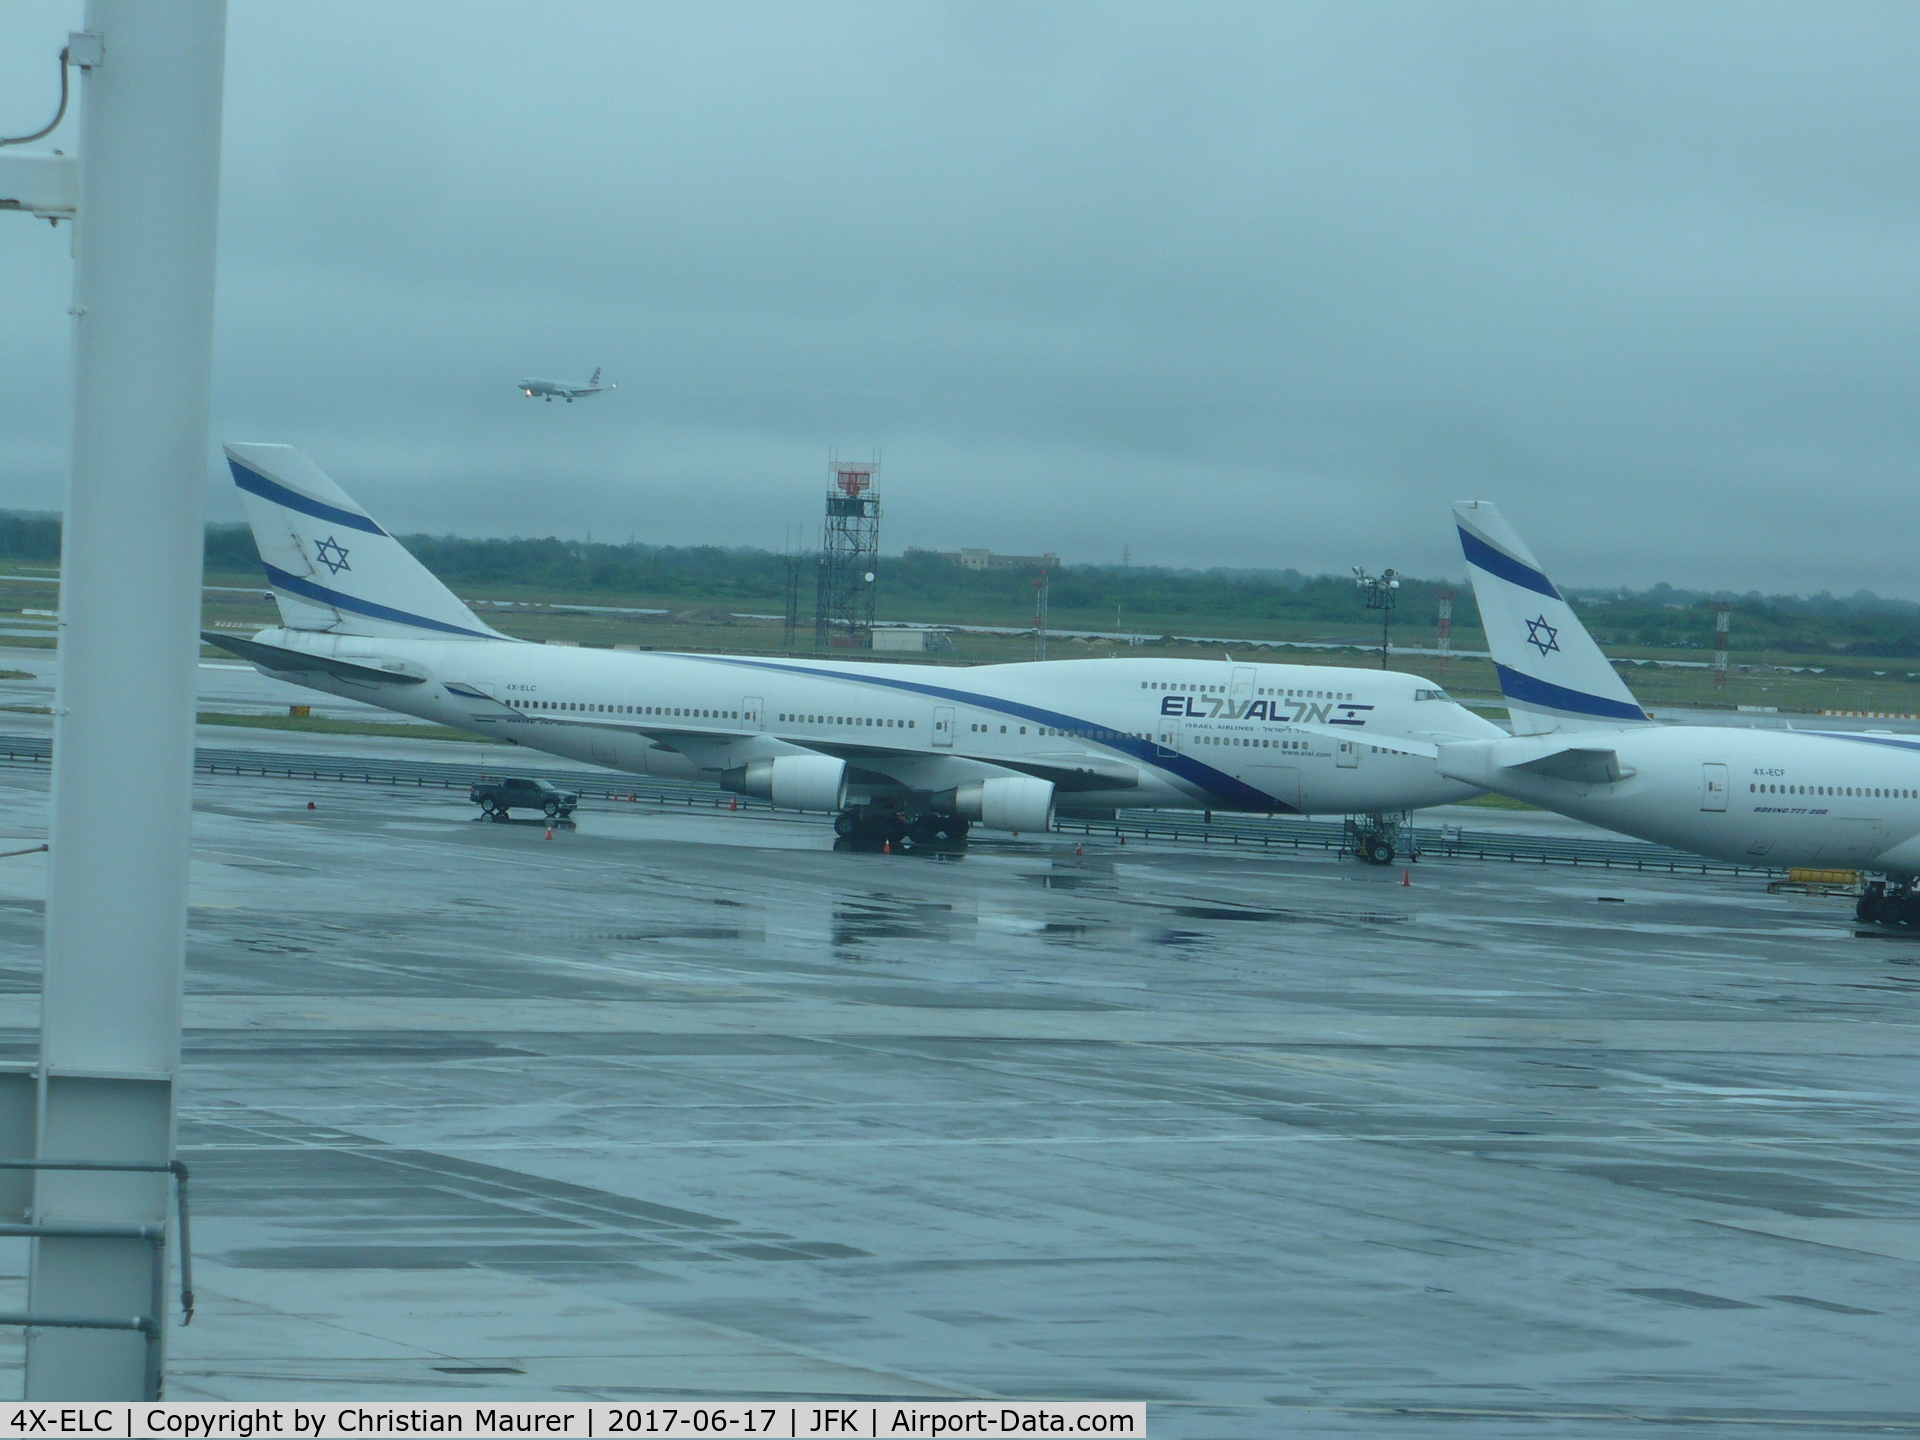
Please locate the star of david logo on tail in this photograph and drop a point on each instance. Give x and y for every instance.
(330, 553)
(1542, 636)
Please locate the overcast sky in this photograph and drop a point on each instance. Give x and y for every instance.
(1259, 285)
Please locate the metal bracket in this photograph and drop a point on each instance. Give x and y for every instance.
(86, 48)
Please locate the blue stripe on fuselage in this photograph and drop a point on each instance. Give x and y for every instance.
(1214, 782)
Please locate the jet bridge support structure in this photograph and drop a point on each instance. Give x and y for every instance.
(101, 1106)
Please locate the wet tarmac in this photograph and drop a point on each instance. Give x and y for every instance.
(693, 1104)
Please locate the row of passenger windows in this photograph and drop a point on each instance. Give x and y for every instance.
(687, 711)
(866, 720)
(1221, 690)
(1249, 744)
(1861, 792)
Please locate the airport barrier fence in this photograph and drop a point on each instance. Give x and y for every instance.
(1185, 827)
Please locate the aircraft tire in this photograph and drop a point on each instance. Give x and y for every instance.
(1377, 851)
(1867, 911)
(847, 824)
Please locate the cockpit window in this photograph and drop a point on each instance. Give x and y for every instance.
(1431, 695)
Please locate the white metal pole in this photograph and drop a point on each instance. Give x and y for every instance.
(129, 649)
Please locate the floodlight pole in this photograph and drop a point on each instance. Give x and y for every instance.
(129, 652)
(1382, 593)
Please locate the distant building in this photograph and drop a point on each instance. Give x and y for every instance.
(987, 560)
(911, 638)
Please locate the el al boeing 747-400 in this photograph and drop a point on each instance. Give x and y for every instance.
(898, 752)
(1582, 745)
(550, 390)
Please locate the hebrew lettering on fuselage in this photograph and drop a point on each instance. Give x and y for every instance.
(1278, 712)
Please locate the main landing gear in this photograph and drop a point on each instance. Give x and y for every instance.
(1888, 903)
(872, 826)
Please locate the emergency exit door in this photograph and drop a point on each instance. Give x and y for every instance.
(1347, 755)
(1713, 787)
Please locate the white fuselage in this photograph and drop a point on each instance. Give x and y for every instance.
(1193, 734)
(550, 389)
(1766, 797)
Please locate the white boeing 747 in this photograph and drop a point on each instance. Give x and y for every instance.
(899, 752)
(1582, 745)
(549, 390)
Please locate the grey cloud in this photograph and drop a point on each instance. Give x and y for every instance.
(1234, 285)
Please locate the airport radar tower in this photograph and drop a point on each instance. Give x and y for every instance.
(849, 546)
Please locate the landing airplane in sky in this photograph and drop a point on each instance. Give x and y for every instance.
(1582, 745)
(549, 389)
(907, 753)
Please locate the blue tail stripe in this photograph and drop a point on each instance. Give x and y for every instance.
(1529, 690)
(253, 481)
(1504, 566)
(321, 595)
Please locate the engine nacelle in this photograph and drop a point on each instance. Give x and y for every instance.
(793, 782)
(1013, 802)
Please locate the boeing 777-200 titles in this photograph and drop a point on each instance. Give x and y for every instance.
(904, 752)
(550, 390)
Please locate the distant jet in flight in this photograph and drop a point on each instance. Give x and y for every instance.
(548, 389)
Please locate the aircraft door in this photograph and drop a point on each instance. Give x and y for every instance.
(1713, 787)
(1347, 756)
(753, 713)
(1242, 689)
(1167, 738)
(943, 726)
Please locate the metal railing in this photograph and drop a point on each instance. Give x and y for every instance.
(1184, 827)
(151, 1325)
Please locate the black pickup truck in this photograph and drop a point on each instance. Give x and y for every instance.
(497, 797)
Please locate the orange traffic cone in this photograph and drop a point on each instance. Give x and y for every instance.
(886, 847)
(1406, 877)
(549, 832)
(1079, 849)
(734, 803)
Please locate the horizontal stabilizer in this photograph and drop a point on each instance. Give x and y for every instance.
(298, 662)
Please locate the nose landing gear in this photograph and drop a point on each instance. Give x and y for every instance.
(1377, 839)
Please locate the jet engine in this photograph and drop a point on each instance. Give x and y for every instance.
(793, 782)
(1009, 803)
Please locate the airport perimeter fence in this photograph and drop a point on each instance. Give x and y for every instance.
(1254, 832)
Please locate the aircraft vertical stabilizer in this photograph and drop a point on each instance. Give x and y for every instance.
(1553, 674)
(331, 567)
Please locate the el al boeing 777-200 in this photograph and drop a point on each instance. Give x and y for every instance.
(549, 390)
(898, 752)
(1582, 745)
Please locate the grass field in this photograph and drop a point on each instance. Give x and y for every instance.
(1677, 677)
